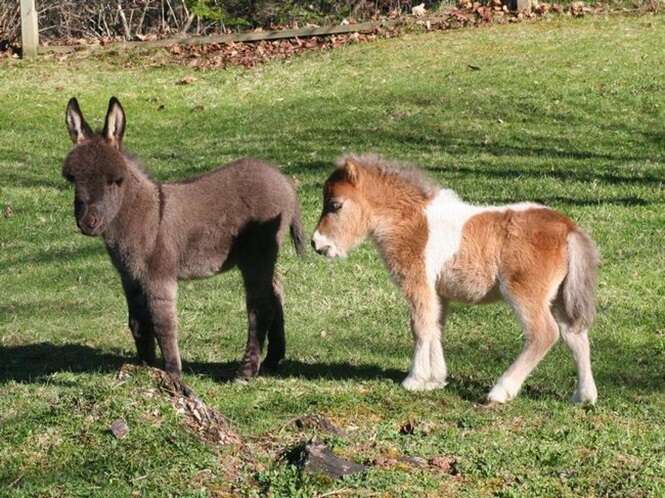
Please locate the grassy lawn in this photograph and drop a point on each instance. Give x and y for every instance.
(567, 112)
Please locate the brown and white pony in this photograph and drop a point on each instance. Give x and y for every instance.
(439, 248)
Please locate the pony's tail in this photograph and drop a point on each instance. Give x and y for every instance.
(579, 286)
(297, 232)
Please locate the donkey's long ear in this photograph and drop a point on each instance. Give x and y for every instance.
(79, 130)
(114, 126)
(351, 171)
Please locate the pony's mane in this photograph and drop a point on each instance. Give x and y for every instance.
(385, 167)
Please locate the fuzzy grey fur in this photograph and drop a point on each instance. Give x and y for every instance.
(157, 233)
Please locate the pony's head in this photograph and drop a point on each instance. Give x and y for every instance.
(96, 167)
(344, 221)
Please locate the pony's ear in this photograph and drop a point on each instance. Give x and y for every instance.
(351, 171)
(114, 125)
(79, 131)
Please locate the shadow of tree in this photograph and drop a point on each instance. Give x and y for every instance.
(563, 174)
(55, 255)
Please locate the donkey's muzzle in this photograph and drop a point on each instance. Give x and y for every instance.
(88, 219)
(91, 224)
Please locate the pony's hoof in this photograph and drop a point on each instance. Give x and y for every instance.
(487, 404)
(585, 397)
(499, 395)
(416, 384)
(436, 384)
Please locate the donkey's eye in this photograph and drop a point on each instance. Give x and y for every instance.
(69, 178)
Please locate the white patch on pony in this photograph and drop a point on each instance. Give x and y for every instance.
(446, 215)
(519, 206)
(326, 246)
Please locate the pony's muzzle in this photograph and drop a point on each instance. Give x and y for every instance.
(323, 245)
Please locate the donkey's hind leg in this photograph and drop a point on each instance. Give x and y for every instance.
(259, 299)
(276, 336)
(540, 334)
(140, 323)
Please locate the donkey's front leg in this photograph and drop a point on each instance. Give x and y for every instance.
(161, 300)
(428, 367)
(140, 323)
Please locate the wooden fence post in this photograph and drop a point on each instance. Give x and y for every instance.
(29, 28)
(524, 5)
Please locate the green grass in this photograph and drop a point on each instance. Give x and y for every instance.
(568, 112)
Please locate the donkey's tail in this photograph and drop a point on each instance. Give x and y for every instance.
(579, 286)
(297, 232)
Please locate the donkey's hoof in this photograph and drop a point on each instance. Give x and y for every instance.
(416, 384)
(178, 386)
(247, 371)
(269, 367)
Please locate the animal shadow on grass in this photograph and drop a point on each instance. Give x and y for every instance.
(34, 362)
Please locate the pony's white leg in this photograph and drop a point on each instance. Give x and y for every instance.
(439, 372)
(578, 343)
(541, 332)
(419, 374)
(428, 367)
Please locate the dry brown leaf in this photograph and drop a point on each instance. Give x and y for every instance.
(447, 464)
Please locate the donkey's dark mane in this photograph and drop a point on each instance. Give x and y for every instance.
(135, 162)
(386, 167)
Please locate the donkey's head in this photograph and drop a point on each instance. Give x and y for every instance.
(96, 167)
(344, 221)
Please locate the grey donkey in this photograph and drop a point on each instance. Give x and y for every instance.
(159, 233)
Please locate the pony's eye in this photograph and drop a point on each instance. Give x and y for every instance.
(69, 178)
(334, 206)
